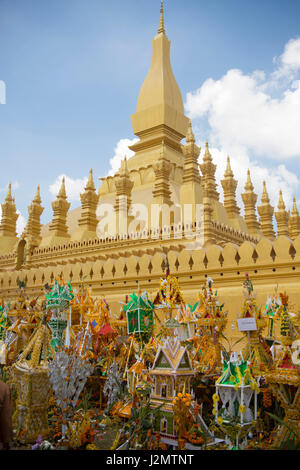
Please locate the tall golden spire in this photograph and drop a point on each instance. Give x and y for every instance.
(249, 199)
(90, 183)
(87, 223)
(33, 226)
(282, 217)
(160, 110)
(294, 221)
(124, 187)
(9, 216)
(60, 206)
(161, 28)
(191, 189)
(266, 211)
(229, 185)
(208, 169)
(62, 192)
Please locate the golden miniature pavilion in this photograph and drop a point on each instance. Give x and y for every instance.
(182, 216)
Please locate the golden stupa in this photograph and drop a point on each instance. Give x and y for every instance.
(113, 250)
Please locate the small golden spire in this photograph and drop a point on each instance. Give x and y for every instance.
(281, 205)
(265, 197)
(37, 197)
(90, 183)
(249, 186)
(190, 135)
(161, 28)
(8, 196)
(228, 173)
(207, 155)
(295, 208)
(124, 167)
(62, 191)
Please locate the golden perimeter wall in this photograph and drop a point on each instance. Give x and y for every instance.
(268, 264)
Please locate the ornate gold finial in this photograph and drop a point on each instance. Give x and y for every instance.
(294, 221)
(207, 154)
(282, 217)
(37, 197)
(124, 167)
(62, 192)
(295, 208)
(9, 196)
(266, 212)
(265, 197)
(190, 135)
(228, 173)
(281, 205)
(229, 185)
(249, 186)
(161, 28)
(90, 182)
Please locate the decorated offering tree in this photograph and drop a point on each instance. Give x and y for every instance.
(140, 314)
(57, 301)
(83, 307)
(257, 351)
(211, 320)
(33, 387)
(171, 373)
(236, 389)
(272, 312)
(68, 374)
(284, 379)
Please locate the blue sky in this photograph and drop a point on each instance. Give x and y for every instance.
(73, 70)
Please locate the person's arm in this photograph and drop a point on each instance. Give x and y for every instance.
(6, 419)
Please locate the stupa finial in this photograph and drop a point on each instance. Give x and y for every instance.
(62, 192)
(161, 28)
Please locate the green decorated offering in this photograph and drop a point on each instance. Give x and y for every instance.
(140, 314)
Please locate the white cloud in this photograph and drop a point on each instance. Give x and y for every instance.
(21, 223)
(289, 62)
(74, 187)
(254, 115)
(276, 178)
(121, 150)
(244, 115)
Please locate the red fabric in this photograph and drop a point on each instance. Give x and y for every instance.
(106, 330)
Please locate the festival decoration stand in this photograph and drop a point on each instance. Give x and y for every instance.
(140, 314)
(33, 387)
(82, 305)
(211, 320)
(68, 373)
(172, 373)
(257, 351)
(284, 379)
(58, 300)
(235, 389)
